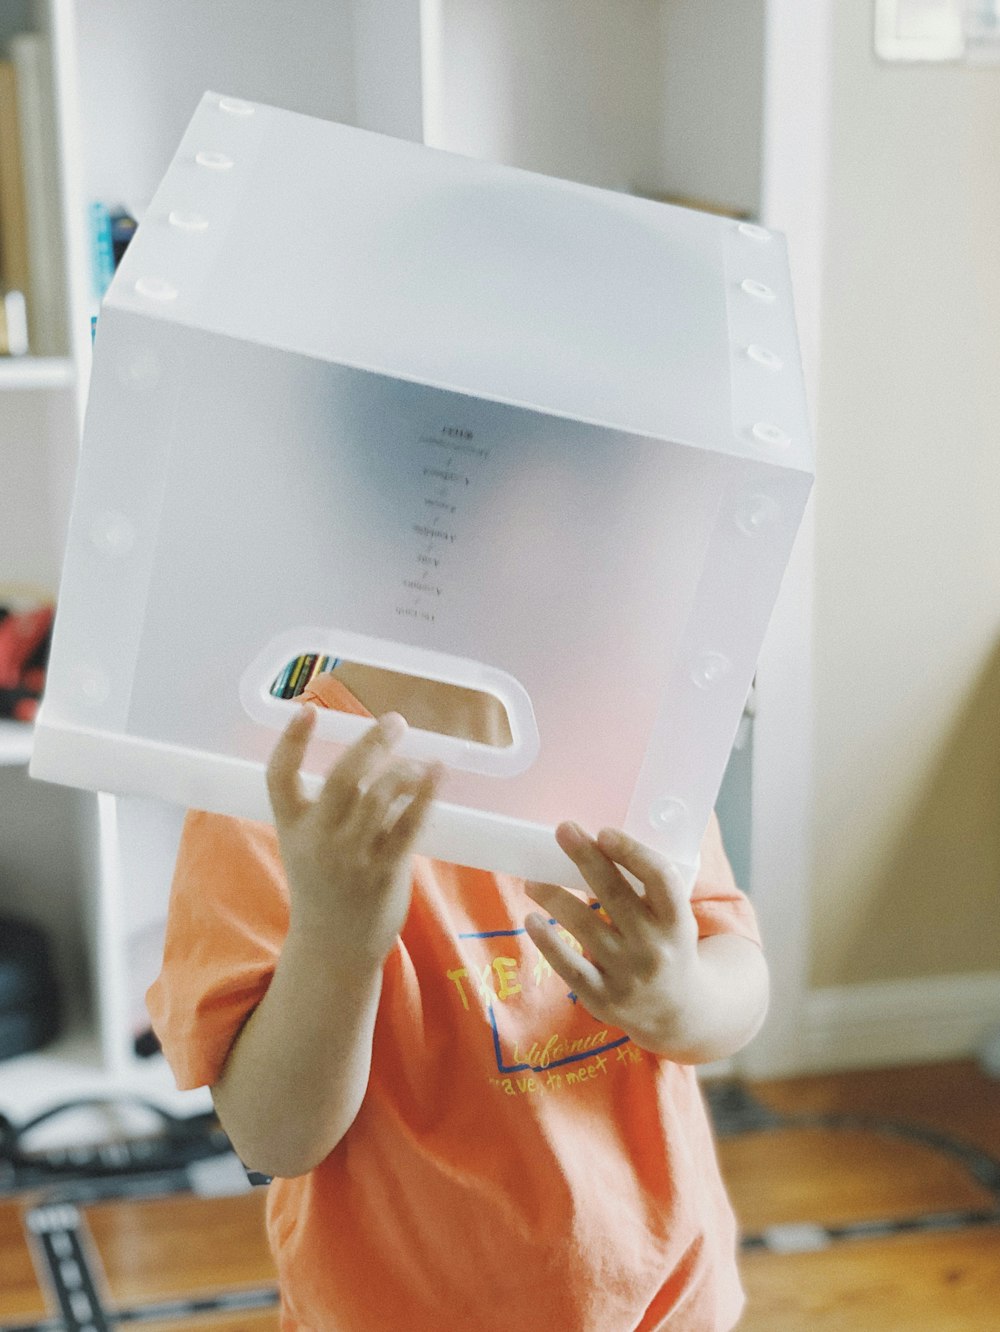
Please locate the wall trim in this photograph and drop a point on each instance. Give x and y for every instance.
(899, 1022)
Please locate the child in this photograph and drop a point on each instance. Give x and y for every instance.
(478, 1115)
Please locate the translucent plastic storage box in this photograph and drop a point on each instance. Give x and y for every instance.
(357, 397)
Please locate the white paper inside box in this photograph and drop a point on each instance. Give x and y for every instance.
(357, 397)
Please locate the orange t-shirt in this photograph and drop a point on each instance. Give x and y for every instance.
(515, 1164)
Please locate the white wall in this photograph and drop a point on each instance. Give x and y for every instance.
(907, 677)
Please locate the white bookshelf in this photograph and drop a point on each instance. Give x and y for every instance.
(665, 97)
(36, 372)
(74, 1067)
(15, 743)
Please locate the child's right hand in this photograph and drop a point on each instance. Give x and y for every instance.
(347, 853)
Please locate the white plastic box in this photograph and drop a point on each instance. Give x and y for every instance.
(356, 396)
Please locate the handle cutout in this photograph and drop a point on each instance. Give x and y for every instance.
(436, 706)
(467, 715)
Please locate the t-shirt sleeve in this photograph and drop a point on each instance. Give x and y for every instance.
(718, 905)
(226, 924)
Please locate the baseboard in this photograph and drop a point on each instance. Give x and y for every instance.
(899, 1022)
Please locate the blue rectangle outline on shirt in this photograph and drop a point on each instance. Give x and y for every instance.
(535, 1068)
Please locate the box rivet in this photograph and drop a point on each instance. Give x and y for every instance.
(157, 289)
(113, 533)
(91, 684)
(757, 513)
(710, 668)
(235, 106)
(188, 221)
(754, 232)
(763, 356)
(669, 814)
(772, 435)
(140, 370)
(217, 161)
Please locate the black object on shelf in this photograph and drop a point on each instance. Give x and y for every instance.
(123, 226)
(29, 991)
(146, 1044)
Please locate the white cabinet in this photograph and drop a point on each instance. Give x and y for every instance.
(671, 98)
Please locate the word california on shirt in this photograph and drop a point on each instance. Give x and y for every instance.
(515, 1163)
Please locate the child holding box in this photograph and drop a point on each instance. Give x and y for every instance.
(478, 1114)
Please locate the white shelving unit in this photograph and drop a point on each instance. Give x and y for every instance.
(716, 100)
(37, 372)
(15, 743)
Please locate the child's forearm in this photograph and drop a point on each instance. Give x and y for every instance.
(728, 1007)
(298, 1071)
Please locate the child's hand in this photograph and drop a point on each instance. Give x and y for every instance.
(346, 853)
(641, 972)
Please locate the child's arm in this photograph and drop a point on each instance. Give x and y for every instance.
(647, 972)
(297, 1073)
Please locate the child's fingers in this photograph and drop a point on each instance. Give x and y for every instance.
(580, 975)
(284, 785)
(373, 811)
(615, 894)
(665, 890)
(342, 787)
(581, 920)
(407, 826)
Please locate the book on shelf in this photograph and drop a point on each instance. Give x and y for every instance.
(13, 208)
(31, 56)
(111, 229)
(102, 253)
(31, 242)
(13, 324)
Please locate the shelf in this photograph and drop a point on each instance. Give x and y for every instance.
(36, 372)
(15, 743)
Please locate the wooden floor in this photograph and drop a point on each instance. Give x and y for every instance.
(940, 1281)
(791, 1182)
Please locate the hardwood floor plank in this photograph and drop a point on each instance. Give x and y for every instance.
(943, 1281)
(955, 1097)
(910, 1283)
(21, 1297)
(830, 1176)
(167, 1248)
(261, 1321)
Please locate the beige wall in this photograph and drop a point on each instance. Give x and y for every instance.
(907, 638)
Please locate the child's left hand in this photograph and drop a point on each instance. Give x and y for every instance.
(642, 970)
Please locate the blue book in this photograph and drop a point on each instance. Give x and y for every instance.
(102, 251)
